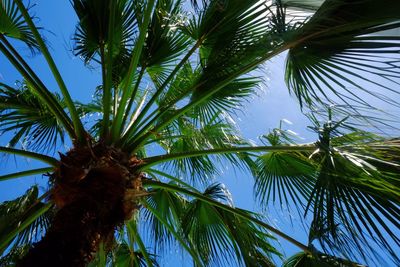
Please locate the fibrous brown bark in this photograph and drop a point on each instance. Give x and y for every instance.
(95, 190)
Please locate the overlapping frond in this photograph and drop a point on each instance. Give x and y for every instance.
(346, 45)
(164, 42)
(349, 184)
(319, 260)
(287, 177)
(180, 86)
(358, 184)
(170, 206)
(236, 34)
(13, 25)
(232, 38)
(185, 136)
(23, 114)
(220, 236)
(229, 99)
(217, 235)
(23, 220)
(123, 255)
(92, 32)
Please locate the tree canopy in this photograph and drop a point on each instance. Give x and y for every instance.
(139, 172)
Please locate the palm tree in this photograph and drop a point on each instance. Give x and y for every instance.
(160, 127)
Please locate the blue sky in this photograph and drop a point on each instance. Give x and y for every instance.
(261, 114)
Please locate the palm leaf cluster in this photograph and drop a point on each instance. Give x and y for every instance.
(173, 77)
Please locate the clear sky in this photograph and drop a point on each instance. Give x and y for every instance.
(261, 113)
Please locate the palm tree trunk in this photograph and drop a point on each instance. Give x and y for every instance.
(95, 191)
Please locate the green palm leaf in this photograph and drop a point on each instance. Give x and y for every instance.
(320, 260)
(165, 42)
(180, 86)
(220, 236)
(189, 136)
(13, 25)
(360, 198)
(227, 100)
(123, 256)
(170, 207)
(26, 213)
(284, 176)
(287, 176)
(303, 5)
(14, 255)
(92, 32)
(24, 114)
(343, 43)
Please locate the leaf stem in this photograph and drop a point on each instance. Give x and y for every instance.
(151, 161)
(132, 98)
(25, 173)
(47, 159)
(126, 92)
(44, 94)
(80, 132)
(159, 91)
(107, 68)
(138, 141)
(139, 241)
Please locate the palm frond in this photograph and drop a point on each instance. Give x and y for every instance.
(188, 136)
(285, 176)
(14, 255)
(180, 86)
(23, 220)
(164, 42)
(319, 260)
(170, 207)
(229, 99)
(123, 255)
(92, 31)
(78, 132)
(346, 45)
(362, 199)
(220, 236)
(226, 53)
(13, 25)
(33, 124)
(311, 5)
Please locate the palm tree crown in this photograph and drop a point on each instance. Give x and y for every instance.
(140, 168)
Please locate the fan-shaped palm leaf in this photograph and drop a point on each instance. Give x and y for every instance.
(23, 220)
(357, 194)
(33, 124)
(164, 42)
(219, 235)
(343, 43)
(320, 260)
(12, 24)
(184, 136)
(170, 207)
(92, 33)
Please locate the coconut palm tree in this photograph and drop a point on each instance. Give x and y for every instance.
(141, 167)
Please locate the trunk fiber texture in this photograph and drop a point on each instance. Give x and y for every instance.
(95, 190)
